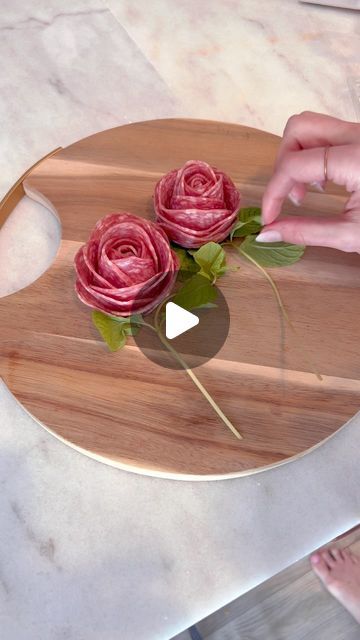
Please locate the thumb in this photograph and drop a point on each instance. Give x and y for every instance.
(339, 233)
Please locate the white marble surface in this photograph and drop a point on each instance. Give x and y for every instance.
(248, 61)
(87, 551)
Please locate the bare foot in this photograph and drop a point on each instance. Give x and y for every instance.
(339, 571)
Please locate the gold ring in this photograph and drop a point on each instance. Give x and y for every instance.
(326, 156)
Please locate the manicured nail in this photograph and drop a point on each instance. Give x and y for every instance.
(294, 199)
(315, 558)
(319, 186)
(269, 236)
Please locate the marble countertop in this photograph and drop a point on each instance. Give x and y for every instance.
(88, 551)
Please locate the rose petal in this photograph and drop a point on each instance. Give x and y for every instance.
(127, 266)
(195, 204)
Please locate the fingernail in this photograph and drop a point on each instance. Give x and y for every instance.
(318, 186)
(269, 236)
(294, 199)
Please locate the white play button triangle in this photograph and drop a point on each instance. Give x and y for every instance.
(178, 320)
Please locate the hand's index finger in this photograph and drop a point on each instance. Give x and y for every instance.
(304, 166)
(309, 130)
(289, 142)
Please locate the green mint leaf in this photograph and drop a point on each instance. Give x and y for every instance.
(133, 324)
(134, 319)
(208, 305)
(243, 229)
(113, 331)
(249, 213)
(272, 254)
(211, 259)
(130, 329)
(187, 264)
(249, 222)
(130, 325)
(196, 292)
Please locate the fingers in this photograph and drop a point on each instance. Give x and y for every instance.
(340, 233)
(297, 193)
(307, 166)
(296, 166)
(309, 130)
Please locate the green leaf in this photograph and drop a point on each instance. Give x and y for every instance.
(272, 254)
(211, 259)
(187, 263)
(249, 213)
(243, 229)
(208, 305)
(130, 325)
(130, 329)
(113, 331)
(196, 292)
(249, 222)
(136, 318)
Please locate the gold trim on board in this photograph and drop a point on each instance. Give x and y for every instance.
(16, 192)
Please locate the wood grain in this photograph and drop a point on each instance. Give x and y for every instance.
(125, 410)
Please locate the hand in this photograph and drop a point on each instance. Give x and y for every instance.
(300, 162)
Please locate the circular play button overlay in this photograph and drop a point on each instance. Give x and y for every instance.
(190, 327)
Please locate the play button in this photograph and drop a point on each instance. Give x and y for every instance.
(195, 333)
(178, 320)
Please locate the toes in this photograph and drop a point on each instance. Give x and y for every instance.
(320, 567)
(350, 557)
(324, 561)
(328, 558)
(336, 554)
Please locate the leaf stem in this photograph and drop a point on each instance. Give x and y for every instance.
(190, 373)
(200, 386)
(281, 305)
(272, 284)
(158, 311)
(146, 324)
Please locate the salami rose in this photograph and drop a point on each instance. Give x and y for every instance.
(196, 204)
(126, 267)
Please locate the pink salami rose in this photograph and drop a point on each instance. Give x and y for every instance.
(196, 204)
(126, 267)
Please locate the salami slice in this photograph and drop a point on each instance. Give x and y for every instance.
(196, 203)
(127, 266)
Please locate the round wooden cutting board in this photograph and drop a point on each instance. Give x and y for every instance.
(125, 410)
